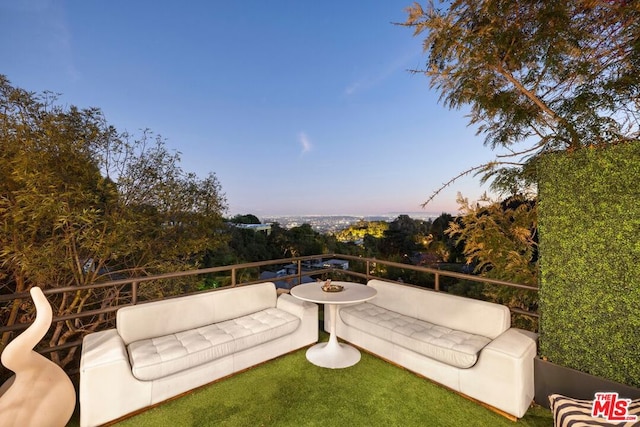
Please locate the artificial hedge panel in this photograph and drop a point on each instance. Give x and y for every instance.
(589, 224)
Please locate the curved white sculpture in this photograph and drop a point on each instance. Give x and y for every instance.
(40, 393)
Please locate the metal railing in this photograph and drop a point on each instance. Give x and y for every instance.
(368, 268)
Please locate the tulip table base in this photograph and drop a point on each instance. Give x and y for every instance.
(333, 354)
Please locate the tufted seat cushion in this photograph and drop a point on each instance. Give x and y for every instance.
(456, 348)
(161, 356)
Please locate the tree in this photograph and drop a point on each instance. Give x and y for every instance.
(371, 246)
(81, 203)
(549, 75)
(245, 219)
(439, 243)
(500, 239)
(360, 229)
(177, 215)
(249, 245)
(404, 236)
(303, 240)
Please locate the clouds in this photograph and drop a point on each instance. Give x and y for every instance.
(305, 143)
(380, 73)
(352, 88)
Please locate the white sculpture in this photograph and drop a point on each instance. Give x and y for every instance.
(40, 393)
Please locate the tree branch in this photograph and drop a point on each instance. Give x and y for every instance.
(454, 179)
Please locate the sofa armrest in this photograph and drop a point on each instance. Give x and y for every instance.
(107, 387)
(503, 375)
(296, 307)
(102, 348)
(514, 343)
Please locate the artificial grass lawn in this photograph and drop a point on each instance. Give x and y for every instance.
(290, 391)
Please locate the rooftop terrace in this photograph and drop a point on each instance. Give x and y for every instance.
(289, 390)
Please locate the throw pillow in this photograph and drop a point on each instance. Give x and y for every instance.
(577, 413)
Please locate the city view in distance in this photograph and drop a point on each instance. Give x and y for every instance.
(333, 223)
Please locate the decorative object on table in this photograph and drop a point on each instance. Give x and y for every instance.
(40, 393)
(329, 287)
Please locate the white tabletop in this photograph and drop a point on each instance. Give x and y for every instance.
(352, 293)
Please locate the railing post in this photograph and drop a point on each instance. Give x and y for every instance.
(233, 277)
(134, 293)
(437, 282)
(368, 269)
(299, 272)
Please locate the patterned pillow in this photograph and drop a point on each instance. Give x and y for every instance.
(577, 413)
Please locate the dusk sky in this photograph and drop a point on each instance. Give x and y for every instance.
(298, 107)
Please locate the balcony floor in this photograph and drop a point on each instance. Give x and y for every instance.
(289, 391)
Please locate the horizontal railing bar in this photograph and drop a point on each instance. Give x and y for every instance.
(354, 273)
(88, 313)
(64, 346)
(445, 273)
(524, 312)
(233, 269)
(163, 276)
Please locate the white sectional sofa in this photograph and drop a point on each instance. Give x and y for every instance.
(161, 349)
(464, 344)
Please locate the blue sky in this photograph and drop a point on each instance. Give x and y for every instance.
(298, 107)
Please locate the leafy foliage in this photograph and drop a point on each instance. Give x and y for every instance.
(80, 203)
(548, 76)
(544, 77)
(590, 269)
(361, 229)
(500, 239)
(405, 236)
(245, 219)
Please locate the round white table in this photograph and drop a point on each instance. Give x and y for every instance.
(332, 354)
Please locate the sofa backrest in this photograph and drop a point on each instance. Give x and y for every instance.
(452, 311)
(158, 318)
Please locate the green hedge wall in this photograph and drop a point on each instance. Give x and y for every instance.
(589, 223)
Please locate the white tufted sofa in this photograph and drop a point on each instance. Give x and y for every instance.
(462, 343)
(161, 349)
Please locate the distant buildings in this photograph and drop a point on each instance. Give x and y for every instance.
(333, 223)
(327, 224)
(256, 227)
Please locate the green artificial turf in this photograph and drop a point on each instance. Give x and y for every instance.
(290, 391)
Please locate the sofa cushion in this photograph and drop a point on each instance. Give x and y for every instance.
(161, 356)
(452, 311)
(192, 311)
(455, 348)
